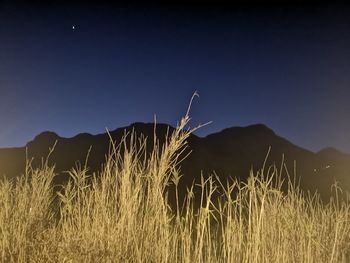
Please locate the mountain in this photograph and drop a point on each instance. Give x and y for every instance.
(230, 152)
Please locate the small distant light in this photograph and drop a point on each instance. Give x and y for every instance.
(327, 166)
(73, 27)
(315, 170)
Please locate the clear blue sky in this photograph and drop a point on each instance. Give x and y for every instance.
(287, 66)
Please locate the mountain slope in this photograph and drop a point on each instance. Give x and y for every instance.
(230, 152)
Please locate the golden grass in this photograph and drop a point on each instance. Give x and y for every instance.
(123, 214)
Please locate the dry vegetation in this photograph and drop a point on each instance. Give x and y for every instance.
(123, 215)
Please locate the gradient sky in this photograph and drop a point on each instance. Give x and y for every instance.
(287, 66)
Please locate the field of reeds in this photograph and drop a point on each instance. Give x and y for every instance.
(123, 214)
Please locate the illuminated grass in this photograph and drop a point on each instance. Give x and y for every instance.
(123, 215)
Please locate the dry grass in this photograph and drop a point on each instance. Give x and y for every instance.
(123, 215)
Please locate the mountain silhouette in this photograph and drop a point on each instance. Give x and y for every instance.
(232, 152)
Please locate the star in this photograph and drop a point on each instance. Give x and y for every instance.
(73, 27)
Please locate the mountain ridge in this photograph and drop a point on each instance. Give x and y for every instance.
(256, 125)
(231, 152)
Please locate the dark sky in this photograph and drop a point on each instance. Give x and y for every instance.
(284, 65)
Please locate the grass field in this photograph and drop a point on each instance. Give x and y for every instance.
(123, 215)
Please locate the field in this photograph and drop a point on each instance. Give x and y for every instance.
(123, 215)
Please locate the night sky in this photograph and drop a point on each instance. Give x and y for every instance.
(76, 67)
